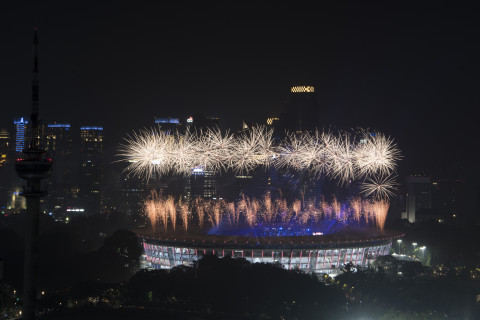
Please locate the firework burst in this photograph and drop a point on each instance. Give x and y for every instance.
(341, 157)
(379, 187)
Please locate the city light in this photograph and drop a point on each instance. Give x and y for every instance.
(423, 252)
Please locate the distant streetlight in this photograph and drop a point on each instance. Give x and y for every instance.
(399, 243)
(423, 252)
(414, 245)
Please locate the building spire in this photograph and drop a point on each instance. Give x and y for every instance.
(34, 143)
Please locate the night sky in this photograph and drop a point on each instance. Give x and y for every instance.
(408, 70)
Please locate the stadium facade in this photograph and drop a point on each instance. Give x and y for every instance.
(313, 254)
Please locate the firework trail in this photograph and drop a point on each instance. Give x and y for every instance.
(163, 209)
(327, 210)
(171, 211)
(380, 210)
(150, 210)
(269, 212)
(336, 208)
(356, 205)
(231, 213)
(185, 214)
(297, 207)
(199, 207)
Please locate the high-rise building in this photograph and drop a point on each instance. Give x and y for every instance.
(302, 110)
(4, 147)
(450, 197)
(201, 122)
(59, 146)
(91, 168)
(5, 172)
(168, 124)
(418, 196)
(200, 184)
(21, 131)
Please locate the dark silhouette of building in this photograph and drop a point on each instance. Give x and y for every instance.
(202, 122)
(59, 146)
(169, 125)
(302, 110)
(418, 196)
(91, 168)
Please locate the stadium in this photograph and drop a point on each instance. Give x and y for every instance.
(311, 235)
(326, 254)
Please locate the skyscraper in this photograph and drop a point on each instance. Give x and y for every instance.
(4, 147)
(21, 131)
(302, 110)
(59, 146)
(5, 173)
(418, 197)
(91, 168)
(200, 184)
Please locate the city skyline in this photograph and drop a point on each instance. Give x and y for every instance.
(416, 84)
(177, 160)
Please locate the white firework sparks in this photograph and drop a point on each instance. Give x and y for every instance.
(376, 153)
(151, 152)
(379, 187)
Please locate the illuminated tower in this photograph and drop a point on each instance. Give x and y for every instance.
(20, 133)
(91, 168)
(33, 168)
(59, 146)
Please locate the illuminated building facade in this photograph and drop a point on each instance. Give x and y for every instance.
(91, 168)
(134, 190)
(5, 173)
(4, 147)
(59, 146)
(200, 184)
(168, 124)
(21, 129)
(313, 255)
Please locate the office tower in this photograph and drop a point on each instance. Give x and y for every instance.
(5, 173)
(59, 147)
(302, 110)
(21, 131)
(450, 197)
(91, 168)
(4, 147)
(200, 184)
(418, 196)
